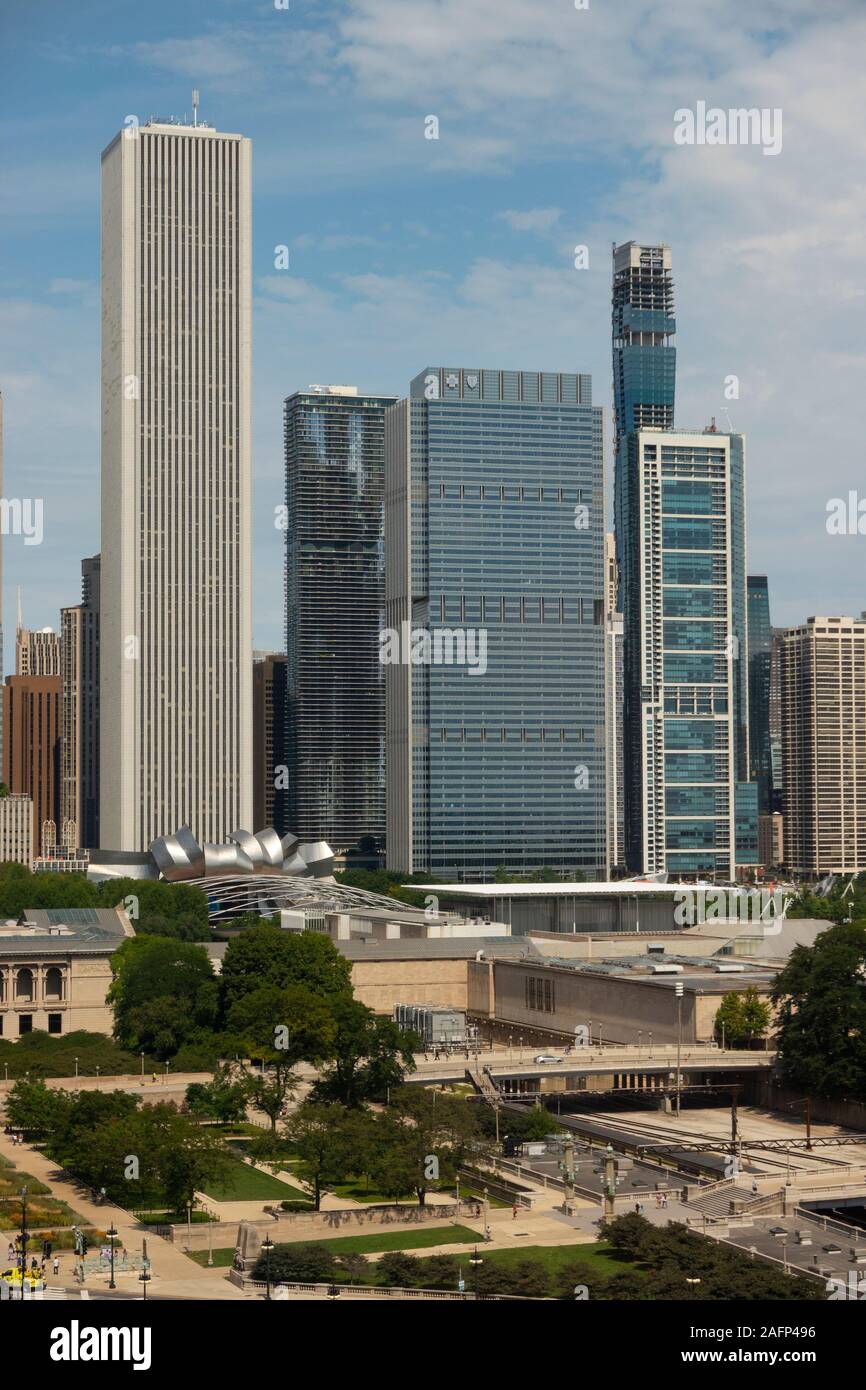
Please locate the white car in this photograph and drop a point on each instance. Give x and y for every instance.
(547, 1057)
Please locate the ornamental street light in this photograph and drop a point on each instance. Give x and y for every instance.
(267, 1247)
(112, 1236)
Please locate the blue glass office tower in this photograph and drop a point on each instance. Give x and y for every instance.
(760, 660)
(494, 526)
(690, 809)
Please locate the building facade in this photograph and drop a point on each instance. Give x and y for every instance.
(55, 970)
(690, 809)
(494, 639)
(176, 619)
(79, 715)
(760, 662)
(824, 746)
(37, 652)
(16, 830)
(270, 770)
(335, 590)
(613, 670)
(643, 325)
(31, 750)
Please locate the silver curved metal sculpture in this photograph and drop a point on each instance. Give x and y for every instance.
(180, 856)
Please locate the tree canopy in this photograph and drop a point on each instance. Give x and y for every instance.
(821, 1000)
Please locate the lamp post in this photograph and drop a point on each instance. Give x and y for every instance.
(23, 1237)
(267, 1247)
(112, 1236)
(678, 990)
(474, 1262)
(209, 1242)
(97, 1078)
(144, 1279)
(142, 1066)
(76, 1068)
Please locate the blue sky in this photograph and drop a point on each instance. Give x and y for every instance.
(555, 130)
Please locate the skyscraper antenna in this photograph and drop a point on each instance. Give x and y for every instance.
(195, 106)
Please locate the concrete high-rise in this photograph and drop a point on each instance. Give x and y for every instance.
(37, 651)
(613, 673)
(176, 621)
(494, 638)
(690, 809)
(79, 716)
(824, 746)
(31, 750)
(335, 594)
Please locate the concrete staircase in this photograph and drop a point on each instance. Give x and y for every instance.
(727, 1197)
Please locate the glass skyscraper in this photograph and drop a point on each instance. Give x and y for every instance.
(760, 659)
(496, 591)
(335, 693)
(643, 324)
(690, 809)
(679, 501)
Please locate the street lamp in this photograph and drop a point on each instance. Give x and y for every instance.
(144, 1279)
(678, 990)
(23, 1237)
(76, 1068)
(475, 1261)
(142, 1066)
(267, 1247)
(112, 1236)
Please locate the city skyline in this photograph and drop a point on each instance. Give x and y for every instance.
(479, 248)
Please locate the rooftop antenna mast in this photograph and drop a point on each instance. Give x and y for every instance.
(195, 106)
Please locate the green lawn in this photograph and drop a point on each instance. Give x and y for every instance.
(246, 1184)
(421, 1239)
(555, 1257)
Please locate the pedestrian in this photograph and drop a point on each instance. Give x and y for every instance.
(664, 1201)
(514, 1212)
(10, 1253)
(56, 1266)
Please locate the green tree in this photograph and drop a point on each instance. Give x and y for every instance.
(225, 1098)
(162, 992)
(742, 1016)
(305, 1264)
(32, 1108)
(326, 1143)
(422, 1139)
(265, 955)
(270, 1094)
(821, 1021)
(370, 1056)
(283, 1024)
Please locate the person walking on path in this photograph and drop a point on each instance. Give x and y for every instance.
(56, 1266)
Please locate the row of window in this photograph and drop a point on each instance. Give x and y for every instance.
(25, 1024)
(540, 995)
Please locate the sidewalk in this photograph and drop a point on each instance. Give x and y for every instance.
(167, 1262)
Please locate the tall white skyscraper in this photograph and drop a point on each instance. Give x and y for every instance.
(176, 621)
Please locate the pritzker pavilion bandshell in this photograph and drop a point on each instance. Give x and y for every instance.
(259, 873)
